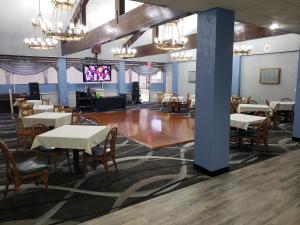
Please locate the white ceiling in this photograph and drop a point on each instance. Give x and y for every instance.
(258, 12)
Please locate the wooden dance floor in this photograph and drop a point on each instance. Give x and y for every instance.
(150, 128)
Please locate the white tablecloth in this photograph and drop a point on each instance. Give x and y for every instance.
(167, 99)
(242, 121)
(253, 108)
(34, 102)
(286, 106)
(72, 137)
(43, 108)
(51, 119)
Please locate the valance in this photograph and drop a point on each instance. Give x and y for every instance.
(25, 67)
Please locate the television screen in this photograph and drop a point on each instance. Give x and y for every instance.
(95, 73)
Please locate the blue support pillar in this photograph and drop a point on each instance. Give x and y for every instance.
(236, 75)
(121, 77)
(62, 82)
(296, 130)
(164, 77)
(213, 90)
(175, 77)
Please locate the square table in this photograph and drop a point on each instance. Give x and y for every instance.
(284, 106)
(253, 108)
(51, 119)
(243, 121)
(73, 137)
(34, 102)
(43, 108)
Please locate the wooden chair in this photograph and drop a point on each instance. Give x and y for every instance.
(252, 101)
(234, 106)
(103, 155)
(267, 102)
(49, 153)
(66, 110)
(26, 110)
(286, 100)
(23, 133)
(76, 118)
(255, 135)
(160, 97)
(261, 113)
(173, 104)
(45, 101)
(274, 116)
(186, 105)
(19, 173)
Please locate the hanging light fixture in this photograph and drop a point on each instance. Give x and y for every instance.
(40, 43)
(243, 50)
(170, 38)
(60, 31)
(124, 52)
(181, 56)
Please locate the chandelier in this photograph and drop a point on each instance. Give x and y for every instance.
(169, 38)
(60, 31)
(124, 52)
(181, 56)
(41, 44)
(243, 50)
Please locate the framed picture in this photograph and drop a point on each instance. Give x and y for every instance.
(192, 76)
(270, 76)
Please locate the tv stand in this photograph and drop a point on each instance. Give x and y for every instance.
(84, 102)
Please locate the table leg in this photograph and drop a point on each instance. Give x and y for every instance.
(76, 161)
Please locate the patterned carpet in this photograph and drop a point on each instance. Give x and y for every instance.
(142, 175)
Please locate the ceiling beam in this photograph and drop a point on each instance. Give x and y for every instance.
(133, 38)
(80, 12)
(249, 32)
(138, 19)
(119, 9)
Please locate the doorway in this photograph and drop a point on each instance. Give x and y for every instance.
(144, 83)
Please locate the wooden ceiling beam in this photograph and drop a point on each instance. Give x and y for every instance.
(249, 32)
(80, 12)
(139, 19)
(133, 38)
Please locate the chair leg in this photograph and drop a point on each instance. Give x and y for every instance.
(105, 168)
(115, 164)
(45, 179)
(68, 160)
(6, 189)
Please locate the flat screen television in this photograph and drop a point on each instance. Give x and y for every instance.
(96, 73)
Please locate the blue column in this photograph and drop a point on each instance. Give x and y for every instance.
(175, 77)
(236, 75)
(121, 77)
(164, 77)
(296, 130)
(213, 90)
(62, 81)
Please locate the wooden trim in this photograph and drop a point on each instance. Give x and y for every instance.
(139, 19)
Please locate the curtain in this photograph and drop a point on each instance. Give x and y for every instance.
(145, 70)
(25, 67)
(45, 75)
(7, 77)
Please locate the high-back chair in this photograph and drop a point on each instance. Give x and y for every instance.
(174, 104)
(103, 155)
(26, 110)
(19, 173)
(90, 120)
(76, 118)
(45, 101)
(160, 97)
(38, 129)
(24, 134)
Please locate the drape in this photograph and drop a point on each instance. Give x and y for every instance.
(45, 75)
(7, 77)
(25, 67)
(145, 70)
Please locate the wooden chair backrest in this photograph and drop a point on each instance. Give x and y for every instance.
(17, 122)
(38, 129)
(234, 106)
(286, 100)
(26, 110)
(66, 110)
(252, 101)
(11, 169)
(160, 97)
(261, 113)
(267, 102)
(76, 117)
(45, 101)
(110, 142)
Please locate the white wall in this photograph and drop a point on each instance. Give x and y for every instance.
(250, 69)
(184, 87)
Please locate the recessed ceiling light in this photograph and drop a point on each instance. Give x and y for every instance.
(274, 26)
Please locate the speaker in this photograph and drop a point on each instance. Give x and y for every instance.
(135, 87)
(34, 91)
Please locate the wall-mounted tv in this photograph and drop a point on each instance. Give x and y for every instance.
(96, 73)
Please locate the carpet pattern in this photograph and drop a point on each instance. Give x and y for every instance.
(142, 175)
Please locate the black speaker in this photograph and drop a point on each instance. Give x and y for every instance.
(135, 87)
(34, 91)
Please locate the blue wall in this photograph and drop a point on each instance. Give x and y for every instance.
(236, 75)
(296, 131)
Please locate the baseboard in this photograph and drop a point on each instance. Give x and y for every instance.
(296, 139)
(211, 173)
